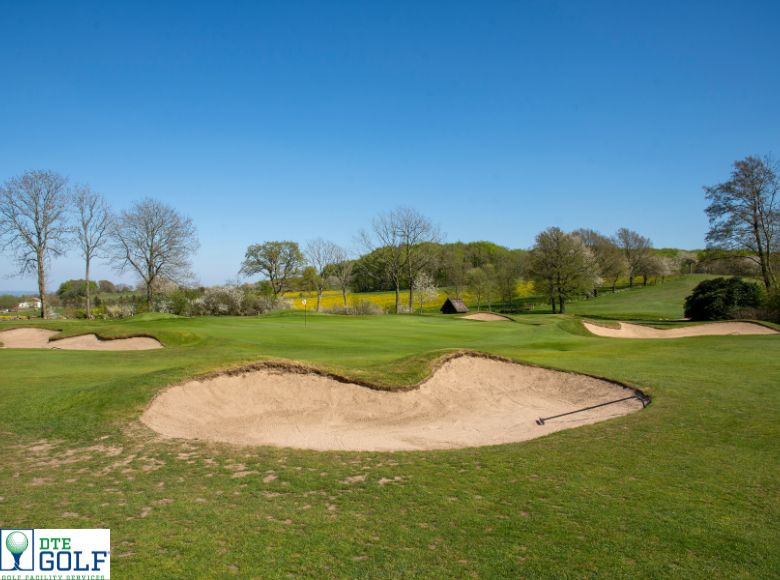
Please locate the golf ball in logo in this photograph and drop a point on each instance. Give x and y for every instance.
(17, 543)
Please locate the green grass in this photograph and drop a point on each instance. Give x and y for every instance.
(687, 488)
(660, 301)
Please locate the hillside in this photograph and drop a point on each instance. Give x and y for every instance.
(662, 301)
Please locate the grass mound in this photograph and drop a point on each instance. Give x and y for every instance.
(149, 316)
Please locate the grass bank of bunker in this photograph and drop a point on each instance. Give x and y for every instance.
(469, 401)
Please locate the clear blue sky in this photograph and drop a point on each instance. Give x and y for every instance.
(292, 120)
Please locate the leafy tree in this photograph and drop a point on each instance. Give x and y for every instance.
(609, 259)
(508, 269)
(311, 281)
(452, 267)
(635, 248)
(744, 213)
(481, 253)
(369, 273)
(479, 285)
(34, 223)
(73, 292)
(721, 298)
(8, 301)
(687, 261)
(277, 261)
(107, 286)
(562, 266)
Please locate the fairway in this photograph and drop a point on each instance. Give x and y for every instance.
(687, 487)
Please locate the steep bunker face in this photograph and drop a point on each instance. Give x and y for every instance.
(626, 330)
(468, 402)
(486, 317)
(41, 338)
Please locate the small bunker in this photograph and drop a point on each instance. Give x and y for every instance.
(454, 306)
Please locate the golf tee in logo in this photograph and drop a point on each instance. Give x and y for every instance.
(55, 553)
(17, 543)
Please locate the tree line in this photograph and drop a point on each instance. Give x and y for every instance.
(404, 253)
(42, 215)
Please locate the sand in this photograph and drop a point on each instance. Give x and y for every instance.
(712, 329)
(40, 338)
(486, 317)
(469, 401)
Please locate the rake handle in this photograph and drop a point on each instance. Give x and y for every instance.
(643, 400)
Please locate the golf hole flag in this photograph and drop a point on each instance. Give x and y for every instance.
(40, 554)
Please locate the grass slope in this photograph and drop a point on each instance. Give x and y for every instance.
(687, 488)
(660, 301)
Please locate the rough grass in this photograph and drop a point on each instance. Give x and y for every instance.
(687, 488)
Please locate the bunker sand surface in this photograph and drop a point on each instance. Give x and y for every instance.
(41, 338)
(469, 401)
(627, 330)
(486, 317)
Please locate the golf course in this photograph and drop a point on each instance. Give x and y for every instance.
(686, 487)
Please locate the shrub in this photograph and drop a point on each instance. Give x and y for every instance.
(722, 298)
(772, 305)
(178, 300)
(362, 307)
(234, 301)
(357, 307)
(119, 311)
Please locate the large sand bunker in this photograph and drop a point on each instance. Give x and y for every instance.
(486, 317)
(41, 338)
(626, 330)
(469, 401)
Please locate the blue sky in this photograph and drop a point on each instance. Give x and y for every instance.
(293, 120)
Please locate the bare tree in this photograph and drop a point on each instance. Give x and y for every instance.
(277, 261)
(341, 271)
(322, 255)
(402, 239)
(744, 212)
(92, 229)
(562, 266)
(33, 223)
(418, 234)
(635, 248)
(389, 249)
(156, 242)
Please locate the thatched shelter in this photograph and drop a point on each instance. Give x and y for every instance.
(454, 306)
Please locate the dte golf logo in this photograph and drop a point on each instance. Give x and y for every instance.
(63, 554)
